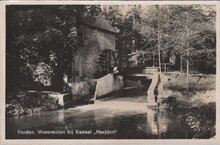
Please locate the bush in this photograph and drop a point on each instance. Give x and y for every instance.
(31, 102)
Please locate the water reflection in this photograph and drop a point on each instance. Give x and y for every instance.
(132, 121)
(158, 122)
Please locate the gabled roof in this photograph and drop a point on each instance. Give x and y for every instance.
(101, 23)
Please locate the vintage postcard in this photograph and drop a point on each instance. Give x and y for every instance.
(102, 72)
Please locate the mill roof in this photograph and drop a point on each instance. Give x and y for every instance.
(101, 23)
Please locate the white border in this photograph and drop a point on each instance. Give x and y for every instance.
(102, 141)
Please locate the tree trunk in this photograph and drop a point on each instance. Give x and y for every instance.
(181, 63)
(133, 25)
(153, 59)
(158, 37)
(159, 46)
(187, 55)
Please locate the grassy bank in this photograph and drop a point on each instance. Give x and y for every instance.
(197, 107)
(30, 102)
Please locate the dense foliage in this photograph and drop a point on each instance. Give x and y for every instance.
(41, 43)
(168, 30)
(42, 40)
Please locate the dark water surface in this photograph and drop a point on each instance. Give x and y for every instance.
(114, 118)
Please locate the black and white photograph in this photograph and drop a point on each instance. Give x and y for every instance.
(110, 71)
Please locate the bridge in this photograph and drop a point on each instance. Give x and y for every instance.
(112, 82)
(97, 88)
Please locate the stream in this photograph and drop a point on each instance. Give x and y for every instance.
(112, 118)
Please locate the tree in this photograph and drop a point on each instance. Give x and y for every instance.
(188, 21)
(127, 20)
(146, 31)
(43, 38)
(155, 29)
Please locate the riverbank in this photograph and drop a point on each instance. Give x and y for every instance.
(197, 107)
(30, 102)
(125, 112)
